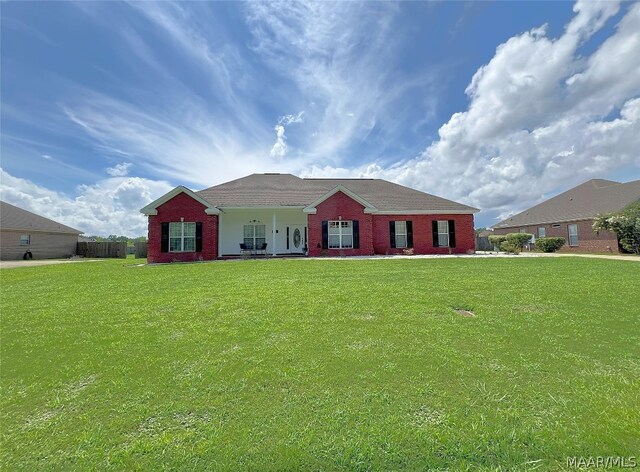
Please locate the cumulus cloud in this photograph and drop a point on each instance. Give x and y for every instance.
(119, 170)
(110, 206)
(280, 147)
(539, 118)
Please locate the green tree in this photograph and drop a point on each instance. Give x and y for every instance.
(626, 225)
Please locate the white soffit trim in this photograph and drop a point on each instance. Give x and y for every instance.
(368, 207)
(428, 212)
(152, 208)
(281, 207)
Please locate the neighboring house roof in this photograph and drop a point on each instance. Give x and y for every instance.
(583, 202)
(12, 217)
(278, 190)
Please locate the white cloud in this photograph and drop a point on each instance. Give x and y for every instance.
(349, 88)
(110, 206)
(538, 119)
(184, 139)
(119, 170)
(279, 149)
(289, 119)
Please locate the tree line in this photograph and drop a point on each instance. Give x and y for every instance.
(118, 239)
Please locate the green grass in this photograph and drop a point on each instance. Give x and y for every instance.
(320, 365)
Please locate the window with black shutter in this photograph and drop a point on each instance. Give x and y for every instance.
(164, 238)
(434, 233)
(325, 235)
(199, 237)
(356, 234)
(443, 233)
(452, 233)
(392, 234)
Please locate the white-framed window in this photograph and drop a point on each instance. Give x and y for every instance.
(443, 233)
(254, 236)
(573, 235)
(401, 234)
(542, 232)
(340, 234)
(25, 239)
(182, 237)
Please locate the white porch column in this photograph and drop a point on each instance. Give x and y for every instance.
(273, 226)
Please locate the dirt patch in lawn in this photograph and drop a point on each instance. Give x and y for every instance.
(467, 313)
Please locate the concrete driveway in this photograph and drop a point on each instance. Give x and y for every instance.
(42, 262)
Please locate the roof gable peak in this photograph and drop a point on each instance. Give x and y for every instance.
(152, 208)
(368, 207)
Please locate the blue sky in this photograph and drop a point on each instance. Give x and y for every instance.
(108, 105)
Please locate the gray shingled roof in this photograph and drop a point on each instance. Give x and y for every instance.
(12, 217)
(583, 202)
(268, 190)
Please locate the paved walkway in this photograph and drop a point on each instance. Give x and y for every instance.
(40, 262)
(486, 254)
(616, 257)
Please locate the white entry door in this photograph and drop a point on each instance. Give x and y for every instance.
(297, 239)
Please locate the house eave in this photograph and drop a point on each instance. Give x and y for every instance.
(35, 230)
(536, 223)
(427, 212)
(266, 207)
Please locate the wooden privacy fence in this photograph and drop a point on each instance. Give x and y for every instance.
(141, 249)
(483, 244)
(103, 249)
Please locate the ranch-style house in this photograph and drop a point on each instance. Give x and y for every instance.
(281, 214)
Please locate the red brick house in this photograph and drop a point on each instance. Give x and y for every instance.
(570, 215)
(281, 214)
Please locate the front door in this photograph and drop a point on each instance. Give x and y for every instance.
(297, 239)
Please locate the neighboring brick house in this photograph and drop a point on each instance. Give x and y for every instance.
(23, 233)
(281, 214)
(570, 215)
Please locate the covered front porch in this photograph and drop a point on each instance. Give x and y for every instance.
(262, 231)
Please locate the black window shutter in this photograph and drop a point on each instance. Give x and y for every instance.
(287, 238)
(164, 238)
(356, 234)
(199, 237)
(409, 234)
(452, 233)
(434, 230)
(392, 234)
(325, 235)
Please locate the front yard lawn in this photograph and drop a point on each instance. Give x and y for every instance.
(320, 364)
